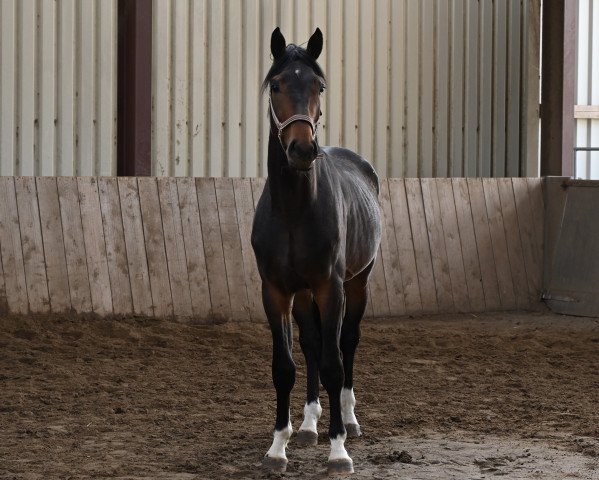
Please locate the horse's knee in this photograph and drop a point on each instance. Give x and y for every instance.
(350, 340)
(283, 375)
(331, 374)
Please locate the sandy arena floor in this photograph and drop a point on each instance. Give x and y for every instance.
(515, 395)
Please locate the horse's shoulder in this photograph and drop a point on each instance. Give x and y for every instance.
(348, 160)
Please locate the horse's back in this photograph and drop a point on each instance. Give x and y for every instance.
(348, 162)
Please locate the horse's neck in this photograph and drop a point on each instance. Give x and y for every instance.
(292, 193)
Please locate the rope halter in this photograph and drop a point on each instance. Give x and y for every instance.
(294, 118)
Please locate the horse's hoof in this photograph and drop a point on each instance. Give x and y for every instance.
(274, 464)
(353, 430)
(306, 437)
(342, 466)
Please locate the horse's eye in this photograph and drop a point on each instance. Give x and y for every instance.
(274, 87)
(322, 88)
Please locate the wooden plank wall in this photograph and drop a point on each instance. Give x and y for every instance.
(180, 247)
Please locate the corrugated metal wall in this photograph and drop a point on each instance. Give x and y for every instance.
(421, 88)
(587, 90)
(58, 87)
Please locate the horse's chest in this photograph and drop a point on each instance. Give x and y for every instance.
(295, 257)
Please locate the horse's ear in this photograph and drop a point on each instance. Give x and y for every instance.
(277, 43)
(315, 44)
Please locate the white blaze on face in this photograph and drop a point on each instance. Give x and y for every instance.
(338, 451)
(312, 412)
(348, 403)
(279, 443)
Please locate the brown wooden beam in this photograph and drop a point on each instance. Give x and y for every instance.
(558, 87)
(134, 103)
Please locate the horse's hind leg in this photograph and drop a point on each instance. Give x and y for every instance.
(307, 317)
(278, 310)
(356, 297)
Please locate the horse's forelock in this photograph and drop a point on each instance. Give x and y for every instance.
(292, 53)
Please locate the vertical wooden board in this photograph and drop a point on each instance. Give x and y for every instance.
(175, 247)
(154, 239)
(141, 292)
(397, 92)
(74, 245)
(535, 192)
(106, 94)
(234, 43)
(54, 246)
(527, 236)
(26, 90)
(257, 189)
(217, 78)
(468, 242)
(351, 71)
(46, 114)
(335, 76)
(484, 244)
(499, 87)
(269, 21)
(471, 123)
(456, 101)
(381, 89)
(426, 52)
(116, 250)
(485, 102)
(366, 85)
(378, 288)
(412, 73)
(405, 246)
(86, 89)
(513, 74)
(499, 244)
(436, 239)
(229, 229)
(453, 245)
(180, 87)
(244, 205)
(470, 82)
(514, 245)
(11, 250)
(198, 89)
(442, 89)
(251, 85)
(389, 254)
(213, 248)
(194, 248)
(422, 250)
(33, 248)
(161, 87)
(8, 83)
(95, 246)
(65, 153)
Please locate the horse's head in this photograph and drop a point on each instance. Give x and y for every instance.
(295, 82)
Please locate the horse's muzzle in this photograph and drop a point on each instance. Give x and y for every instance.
(301, 155)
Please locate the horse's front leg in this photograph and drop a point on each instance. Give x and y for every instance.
(330, 299)
(307, 317)
(277, 305)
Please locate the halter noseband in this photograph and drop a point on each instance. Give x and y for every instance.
(294, 118)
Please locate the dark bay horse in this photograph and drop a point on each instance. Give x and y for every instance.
(315, 236)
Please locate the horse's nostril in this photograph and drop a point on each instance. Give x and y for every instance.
(293, 147)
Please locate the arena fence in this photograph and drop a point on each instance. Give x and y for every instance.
(180, 247)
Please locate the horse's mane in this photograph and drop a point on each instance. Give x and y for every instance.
(292, 53)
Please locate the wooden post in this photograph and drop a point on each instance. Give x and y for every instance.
(557, 89)
(134, 108)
